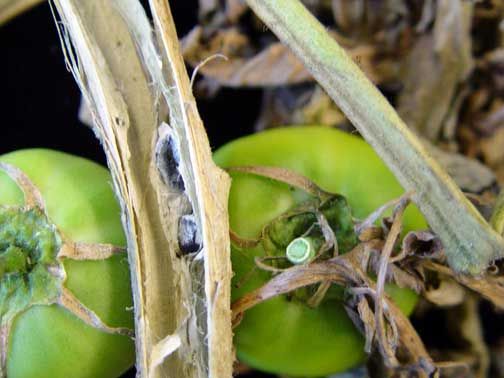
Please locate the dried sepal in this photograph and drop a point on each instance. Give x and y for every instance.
(240, 242)
(32, 196)
(260, 262)
(330, 242)
(88, 251)
(68, 301)
(366, 318)
(286, 176)
(291, 279)
(377, 214)
(422, 244)
(382, 272)
(316, 299)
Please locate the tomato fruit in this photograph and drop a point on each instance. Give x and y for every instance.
(46, 339)
(283, 335)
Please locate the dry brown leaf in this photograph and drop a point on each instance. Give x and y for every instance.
(221, 11)
(469, 174)
(447, 293)
(367, 20)
(298, 105)
(275, 65)
(271, 65)
(492, 148)
(422, 244)
(438, 63)
(489, 287)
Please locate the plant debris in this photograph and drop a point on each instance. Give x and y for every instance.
(418, 262)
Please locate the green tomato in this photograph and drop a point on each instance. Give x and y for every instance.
(48, 340)
(283, 335)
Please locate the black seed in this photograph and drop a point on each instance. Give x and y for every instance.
(189, 236)
(168, 160)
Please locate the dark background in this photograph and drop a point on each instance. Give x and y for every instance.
(40, 99)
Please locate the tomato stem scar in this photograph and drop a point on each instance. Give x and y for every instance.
(300, 250)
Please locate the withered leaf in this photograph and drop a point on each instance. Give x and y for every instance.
(435, 67)
(447, 293)
(488, 286)
(492, 146)
(274, 65)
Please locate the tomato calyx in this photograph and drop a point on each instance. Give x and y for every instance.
(323, 226)
(32, 250)
(30, 272)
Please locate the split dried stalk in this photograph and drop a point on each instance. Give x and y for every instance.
(470, 242)
(169, 189)
(211, 186)
(11, 8)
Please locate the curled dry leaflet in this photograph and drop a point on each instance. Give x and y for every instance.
(415, 263)
(47, 275)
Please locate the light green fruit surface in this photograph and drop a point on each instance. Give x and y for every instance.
(49, 341)
(283, 335)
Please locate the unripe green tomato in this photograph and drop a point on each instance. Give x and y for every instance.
(49, 341)
(282, 335)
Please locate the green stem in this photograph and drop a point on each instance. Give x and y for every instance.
(300, 251)
(470, 243)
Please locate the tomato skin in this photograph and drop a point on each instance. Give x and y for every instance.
(281, 335)
(49, 341)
